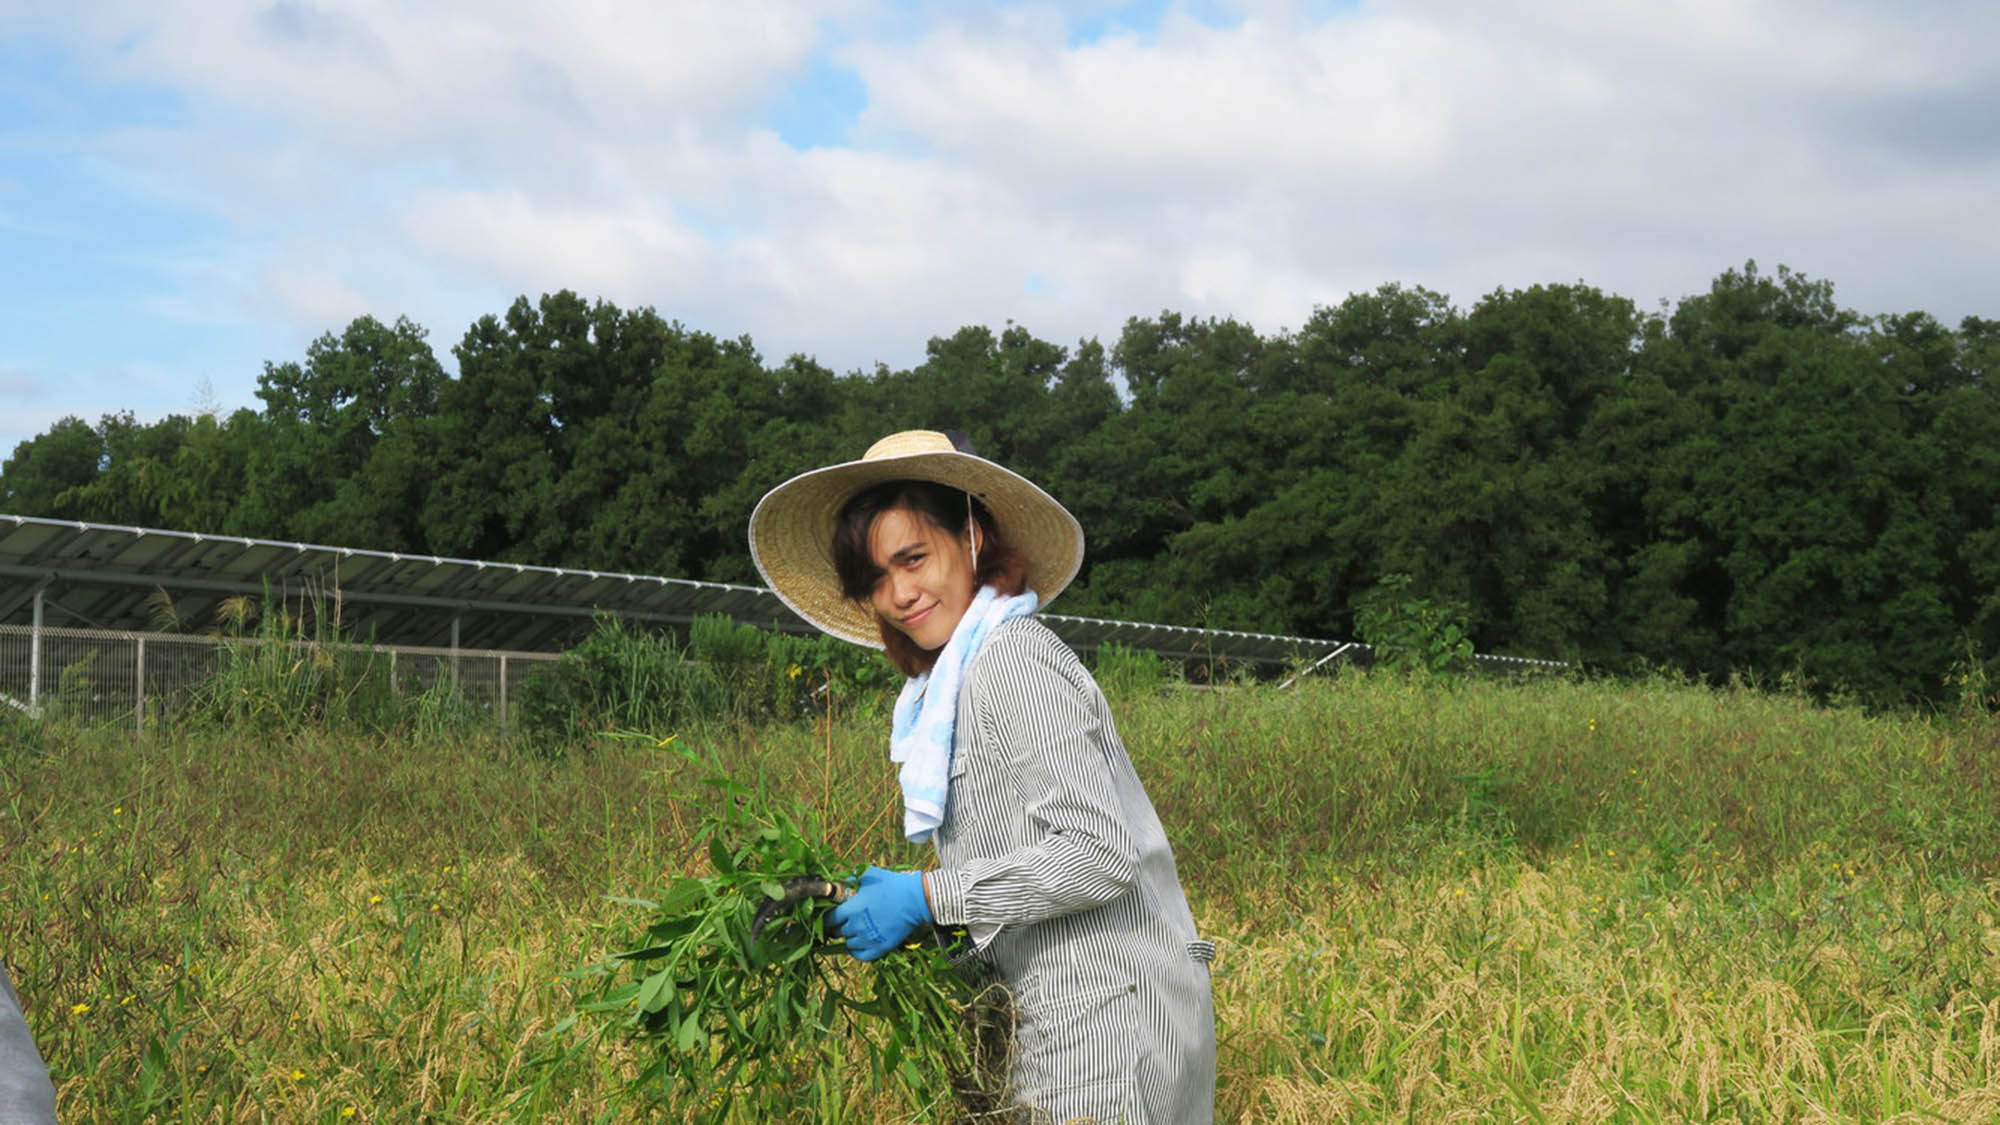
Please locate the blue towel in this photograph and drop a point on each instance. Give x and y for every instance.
(927, 712)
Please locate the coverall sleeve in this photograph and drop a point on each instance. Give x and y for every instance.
(1053, 770)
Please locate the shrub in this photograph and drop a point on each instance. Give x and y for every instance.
(617, 678)
(279, 680)
(1413, 634)
(1123, 671)
(771, 675)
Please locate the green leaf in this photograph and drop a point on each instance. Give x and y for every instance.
(718, 854)
(690, 1032)
(683, 896)
(657, 992)
(772, 891)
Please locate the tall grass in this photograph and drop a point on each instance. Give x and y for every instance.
(1547, 901)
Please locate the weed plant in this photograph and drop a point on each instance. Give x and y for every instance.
(623, 678)
(619, 677)
(1558, 900)
(286, 671)
(767, 675)
(1122, 671)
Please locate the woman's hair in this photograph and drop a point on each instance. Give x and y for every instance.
(943, 507)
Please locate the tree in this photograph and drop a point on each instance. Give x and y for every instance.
(44, 472)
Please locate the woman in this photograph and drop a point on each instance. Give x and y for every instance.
(1049, 852)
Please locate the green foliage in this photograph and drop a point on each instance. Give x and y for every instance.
(293, 674)
(621, 677)
(1754, 480)
(1122, 671)
(22, 735)
(726, 1018)
(766, 674)
(1413, 634)
(617, 678)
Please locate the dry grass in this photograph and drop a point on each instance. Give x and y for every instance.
(1556, 902)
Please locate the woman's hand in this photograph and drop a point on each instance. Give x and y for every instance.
(883, 911)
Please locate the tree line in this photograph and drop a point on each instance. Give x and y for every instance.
(1753, 479)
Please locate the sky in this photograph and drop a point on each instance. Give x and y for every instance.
(192, 188)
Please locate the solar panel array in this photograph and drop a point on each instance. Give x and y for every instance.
(104, 576)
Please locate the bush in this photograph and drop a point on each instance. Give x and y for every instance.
(618, 678)
(280, 680)
(1123, 671)
(1413, 634)
(772, 675)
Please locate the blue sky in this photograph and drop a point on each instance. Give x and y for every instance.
(190, 189)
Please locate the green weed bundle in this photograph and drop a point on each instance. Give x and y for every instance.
(720, 1012)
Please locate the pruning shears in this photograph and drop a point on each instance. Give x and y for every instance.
(798, 889)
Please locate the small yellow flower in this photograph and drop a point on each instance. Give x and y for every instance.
(119, 811)
(298, 1075)
(347, 1111)
(78, 1009)
(373, 899)
(435, 908)
(128, 999)
(1458, 891)
(793, 672)
(202, 1069)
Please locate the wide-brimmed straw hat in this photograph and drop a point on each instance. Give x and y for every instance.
(791, 531)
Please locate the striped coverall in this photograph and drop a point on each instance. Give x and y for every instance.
(1052, 857)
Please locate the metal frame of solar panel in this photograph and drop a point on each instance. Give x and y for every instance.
(104, 576)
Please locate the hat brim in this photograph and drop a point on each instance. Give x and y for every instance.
(791, 532)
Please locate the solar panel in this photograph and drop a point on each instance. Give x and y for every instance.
(104, 576)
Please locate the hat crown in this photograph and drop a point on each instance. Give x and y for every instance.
(909, 443)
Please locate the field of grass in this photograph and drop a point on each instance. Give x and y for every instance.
(1552, 901)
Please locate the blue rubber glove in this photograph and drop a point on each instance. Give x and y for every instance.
(883, 911)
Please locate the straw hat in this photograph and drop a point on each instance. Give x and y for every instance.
(791, 531)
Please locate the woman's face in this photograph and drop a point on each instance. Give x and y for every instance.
(926, 578)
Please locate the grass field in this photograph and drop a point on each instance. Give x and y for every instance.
(1552, 901)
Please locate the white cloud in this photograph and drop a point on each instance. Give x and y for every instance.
(375, 74)
(440, 159)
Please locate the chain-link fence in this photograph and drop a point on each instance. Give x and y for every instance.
(102, 675)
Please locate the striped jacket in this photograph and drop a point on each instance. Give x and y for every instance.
(1052, 857)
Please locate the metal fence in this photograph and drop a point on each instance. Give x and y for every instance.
(101, 675)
